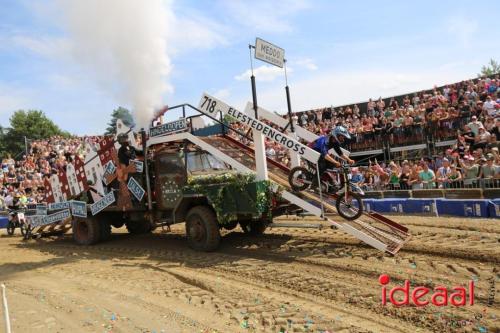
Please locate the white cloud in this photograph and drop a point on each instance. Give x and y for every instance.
(264, 73)
(194, 31)
(12, 99)
(222, 94)
(307, 63)
(47, 46)
(340, 88)
(264, 15)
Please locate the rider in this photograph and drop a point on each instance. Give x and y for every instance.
(324, 143)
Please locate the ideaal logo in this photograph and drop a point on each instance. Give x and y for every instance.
(422, 296)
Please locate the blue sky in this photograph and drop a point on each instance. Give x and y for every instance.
(338, 52)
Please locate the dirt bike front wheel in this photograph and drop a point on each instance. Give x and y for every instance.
(11, 227)
(299, 178)
(350, 208)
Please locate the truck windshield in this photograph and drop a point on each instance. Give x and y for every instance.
(202, 161)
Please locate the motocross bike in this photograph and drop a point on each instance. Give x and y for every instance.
(348, 194)
(17, 220)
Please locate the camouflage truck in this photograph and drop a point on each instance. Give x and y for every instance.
(183, 184)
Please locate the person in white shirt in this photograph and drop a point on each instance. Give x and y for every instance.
(442, 174)
(475, 125)
(489, 107)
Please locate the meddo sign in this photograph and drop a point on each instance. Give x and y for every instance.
(269, 53)
(211, 106)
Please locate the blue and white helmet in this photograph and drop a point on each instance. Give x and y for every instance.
(340, 131)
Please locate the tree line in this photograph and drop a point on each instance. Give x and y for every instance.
(30, 125)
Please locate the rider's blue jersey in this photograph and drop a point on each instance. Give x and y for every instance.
(322, 145)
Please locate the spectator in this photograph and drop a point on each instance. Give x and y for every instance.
(442, 174)
(404, 178)
(427, 176)
(393, 176)
(482, 139)
(475, 125)
(454, 178)
(357, 177)
(490, 172)
(489, 107)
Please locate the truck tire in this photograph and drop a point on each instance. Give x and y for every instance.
(86, 231)
(253, 228)
(202, 229)
(138, 227)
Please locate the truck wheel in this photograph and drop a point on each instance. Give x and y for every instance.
(202, 229)
(104, 230)
(138, 227)
(86, 231)
(253, 228)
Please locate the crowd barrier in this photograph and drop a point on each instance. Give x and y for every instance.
(4, 220)
(440, 206)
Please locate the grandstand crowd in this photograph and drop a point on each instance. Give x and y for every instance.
(468, 112)
(22, 180)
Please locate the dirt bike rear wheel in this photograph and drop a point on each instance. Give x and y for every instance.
(349, 209)
(299, 178)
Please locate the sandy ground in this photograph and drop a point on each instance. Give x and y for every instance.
(294, 280)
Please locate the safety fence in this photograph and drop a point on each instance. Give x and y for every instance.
(480, 208)
(469, 183)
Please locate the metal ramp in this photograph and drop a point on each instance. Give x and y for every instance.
(372, 228)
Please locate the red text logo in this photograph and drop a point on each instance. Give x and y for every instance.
(422, 296)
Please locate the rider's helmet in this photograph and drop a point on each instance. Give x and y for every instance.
(340, 131)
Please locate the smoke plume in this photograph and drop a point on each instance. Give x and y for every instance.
(123, 44)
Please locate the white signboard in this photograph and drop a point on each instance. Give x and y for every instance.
(269, 53)
(168, 128)
(79, 208)
(59, 205)
(135, 188)
(139, 165)
(107, 200)
(211, 106)
(41, 220)
(41, 209)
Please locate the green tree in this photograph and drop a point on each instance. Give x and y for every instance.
(492, 67)
(120, 113)
(32, 124)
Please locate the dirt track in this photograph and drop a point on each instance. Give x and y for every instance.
(299, 280)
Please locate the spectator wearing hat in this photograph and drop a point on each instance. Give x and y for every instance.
(490, 172)
(475, 125)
